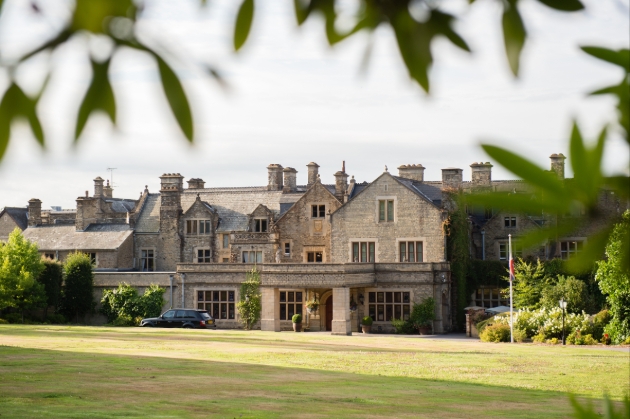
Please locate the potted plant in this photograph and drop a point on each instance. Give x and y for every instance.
(366, 324)
(297, 322)
(422, 316)
(312, 305)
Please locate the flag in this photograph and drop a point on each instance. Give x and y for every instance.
(511, 270)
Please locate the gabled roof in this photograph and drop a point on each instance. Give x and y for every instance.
(426, 191)
(203, 204)
(305, 196)
(68, 238)
(18, 214)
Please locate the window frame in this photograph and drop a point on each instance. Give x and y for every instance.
(509, 222)
(194, 227)
(318, 211)
(386, 209)
(249, 253)
(288, 307)
(259, 223)
(417, 244)
(206, 256)
(152, 258)
(215, 300)
(570, 253)
(517, 249)
(388, 305)
(226, 241)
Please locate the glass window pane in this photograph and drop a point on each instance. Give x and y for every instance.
(319, 257)
(245, 257)
(397, 312)
(314, 211)
(215, 310)
(380, 297)
(224, 310)
(298, 309)
(398, 297)
(322, 211)
(372, 252)
(389, 312)
(291, 296)
(405, 298)
(223, 295)
(310, 257)
(290, 311)
(419, 257)
(403, 251)
(380, 313)
(411, 252)
(258, 257)
(381, 210)
(298, 297)
(405, 312)
(226, 241)
(231, 312)
(363, 252)
(200, 295)
(230, 295)
(200, 306)
(373, 312)
(283, 311)
(389, 297)
(372, 297)
(283, 296)
(390, 210)
(355, 252)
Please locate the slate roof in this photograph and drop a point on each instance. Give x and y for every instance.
(234, 205)
(107, 227)
(429, 192)
(18, 214)
(149, 219)
(121, 205)
(68, 238)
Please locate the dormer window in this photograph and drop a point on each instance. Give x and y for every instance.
(194, 227)
(260, 225)
(318, 211)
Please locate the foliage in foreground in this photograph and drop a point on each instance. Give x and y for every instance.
(78, 294)
(614, 281)
(124, 307)
(20, 266)
(250, 305)
(587, 411)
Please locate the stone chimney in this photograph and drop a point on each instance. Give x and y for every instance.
(313, 171)
(274, 178)
(452, 178)
(341, 182)
(170, 246)
(108, 191)
(290, 180)
(411, 171)
(196, 183)
(98, 187)
(557, 164)
(34, 212)
(481, 174)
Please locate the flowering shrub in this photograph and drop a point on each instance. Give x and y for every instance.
(495, 333)
(546, 322)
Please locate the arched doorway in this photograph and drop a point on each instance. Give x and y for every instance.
(329, 313)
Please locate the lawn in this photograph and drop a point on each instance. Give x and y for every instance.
(98, 372)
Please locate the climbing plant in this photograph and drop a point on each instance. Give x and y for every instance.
(249, 306)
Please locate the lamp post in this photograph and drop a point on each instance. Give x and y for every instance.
(563, 306)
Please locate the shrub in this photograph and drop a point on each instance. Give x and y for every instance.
(124, 320)
(553, 341)
(606, 339)
(540, 338)
(366, 321)
(250, 305)
(3, 321)
(125, 302)
(600, 321)
(56, 318)
(579, 338)
(13, 318)
(77, 295)
(495, 333)
(519, 335)
(422, 314)
(403, 327)
(52, 280)
(572, 290)
(297, 318)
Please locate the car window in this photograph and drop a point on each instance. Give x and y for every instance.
(190, 315)
(181, 314)
(169, 314)
(205, 316)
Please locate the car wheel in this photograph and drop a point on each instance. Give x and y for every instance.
(187, 326)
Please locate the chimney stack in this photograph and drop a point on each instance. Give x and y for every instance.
(290, 180)
(312, 173)
(557, 164)
(341, 182)
(481, 174)
(98, 187)
(108, 191)
(274, 178)
(196, 183)
(452, 177)
(34, 212)
(411, 171)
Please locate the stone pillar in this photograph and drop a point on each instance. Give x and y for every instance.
(34, 212)
(98, 187)
(313, 171)
(341, 312)
(557, 164)
(270, 310)
(274, 177)
(290, 180)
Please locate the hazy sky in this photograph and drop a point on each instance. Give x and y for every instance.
(294, 100)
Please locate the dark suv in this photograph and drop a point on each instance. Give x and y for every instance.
(186, 318)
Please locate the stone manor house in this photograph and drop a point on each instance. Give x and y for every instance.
(358, 248)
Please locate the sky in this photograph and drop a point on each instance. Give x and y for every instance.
(292, 99)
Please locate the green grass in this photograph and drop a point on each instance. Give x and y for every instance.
(97, 372)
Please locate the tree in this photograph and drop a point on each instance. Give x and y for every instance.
(19, 269)
(614, 281)
(52, 280)
(529, 282)
(125, 304)
(249, 306)
(572, 290)
(78, 291)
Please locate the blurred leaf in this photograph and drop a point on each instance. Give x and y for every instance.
(517, 202)
(564, 5)
(414, 42)
(442, 24)
(620, 57)
(586, 167)
(91, 15)
(593, 250)
(513, 34)
(99, 95)
(214, 73)
(526, 170)
(620, 185)
(176, 97)
(243, 24)
(589, 412)
(301, 13)
(16, 103)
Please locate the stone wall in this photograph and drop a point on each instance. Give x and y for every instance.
(304, 233)
(7, 225)
(415, 219)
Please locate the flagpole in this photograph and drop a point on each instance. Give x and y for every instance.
(511, 279)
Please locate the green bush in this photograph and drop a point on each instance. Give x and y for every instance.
(572, 290)
(519, 335)
(52, 280)
(422, 314)
(579, 338)
(13, 318)
(77, 293)
(125, 302)
(3, 321)
(56, 318)
(552, 341)
(495, 333)
(366, 321)
(402, 327)
(297, 318)
(541, 338)
(124, 320)
(600, 321)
